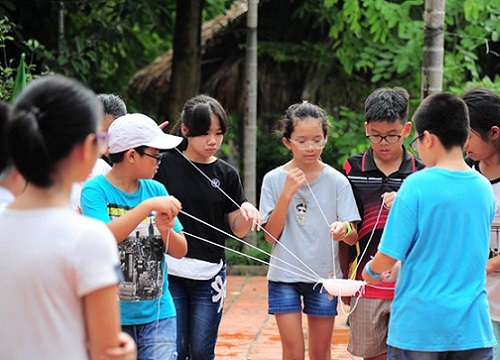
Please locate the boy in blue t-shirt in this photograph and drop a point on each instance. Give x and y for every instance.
(439, 228)
(142, 216)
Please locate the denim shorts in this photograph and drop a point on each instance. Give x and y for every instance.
(288, 298)
(155, 340)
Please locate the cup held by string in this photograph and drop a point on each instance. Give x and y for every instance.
(343, 287)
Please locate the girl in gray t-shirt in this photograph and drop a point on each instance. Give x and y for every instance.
(306, 207)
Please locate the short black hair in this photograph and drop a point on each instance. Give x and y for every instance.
(118, 157)
(387, 104)
(484, 110)
(446, 116)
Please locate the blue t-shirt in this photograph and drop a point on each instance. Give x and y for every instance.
(144, 294)
(439, 227)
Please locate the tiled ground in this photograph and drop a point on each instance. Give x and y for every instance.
(248, 332)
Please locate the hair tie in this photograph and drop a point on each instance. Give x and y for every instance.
(35, 111)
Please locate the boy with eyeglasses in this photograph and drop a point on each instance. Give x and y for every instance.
(439, 229)
(143, 218)
(376, 175)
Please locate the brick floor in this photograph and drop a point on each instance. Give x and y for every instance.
(248, 332)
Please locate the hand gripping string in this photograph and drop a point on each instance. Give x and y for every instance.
(216, 185)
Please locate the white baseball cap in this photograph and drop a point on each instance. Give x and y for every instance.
(134, 130)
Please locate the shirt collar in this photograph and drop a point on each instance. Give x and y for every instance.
(407, 166)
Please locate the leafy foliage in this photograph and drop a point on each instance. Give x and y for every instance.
(8, 69)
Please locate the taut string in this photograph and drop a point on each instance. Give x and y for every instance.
(214, 184)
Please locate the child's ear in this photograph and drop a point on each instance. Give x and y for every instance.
(407, 129)
(429, 139)
(184, 130)
(286, 142)
(494, 133)
(131, 155)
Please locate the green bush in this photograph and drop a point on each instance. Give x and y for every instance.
(233, 258)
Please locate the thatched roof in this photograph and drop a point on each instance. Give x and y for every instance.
(281, 82)
(147, 82)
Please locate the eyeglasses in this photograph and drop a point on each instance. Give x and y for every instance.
(377, 139)
(305, 145)
(156, 157)
(101, 139)
(414, 144)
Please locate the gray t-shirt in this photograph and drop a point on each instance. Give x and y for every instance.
(306, 233)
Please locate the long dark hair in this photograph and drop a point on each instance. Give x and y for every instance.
(196, 117)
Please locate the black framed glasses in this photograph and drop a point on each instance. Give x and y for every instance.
(414, 144)
(377, 139)
(156, 157)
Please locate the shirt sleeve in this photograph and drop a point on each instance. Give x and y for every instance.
(346, 203)
(267, 199)
(96, 255)
(93, 201)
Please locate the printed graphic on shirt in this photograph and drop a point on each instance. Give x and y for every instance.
(301, 212)
(141, 255)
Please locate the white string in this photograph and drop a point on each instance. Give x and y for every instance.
(167, 243)
(249, 256)
(344, 311)
(246, 243)
(317, 203)
(371, 236)
(216, 185)
(328, 225)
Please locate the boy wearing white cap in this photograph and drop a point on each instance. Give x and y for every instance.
(142, 216)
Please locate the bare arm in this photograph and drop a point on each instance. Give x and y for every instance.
(340, 232)
(126, 351)
(175, 242)
(102, 320)
(276, 222)
(245, 219)
(122, 226)
(380, 264)
(493, 265)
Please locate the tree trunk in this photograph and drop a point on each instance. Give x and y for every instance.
(186, 61)
(250, 128)
(432, 67)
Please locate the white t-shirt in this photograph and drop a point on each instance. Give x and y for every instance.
(493, 280)
(6, 197)
(101, 167)
(51, 258)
